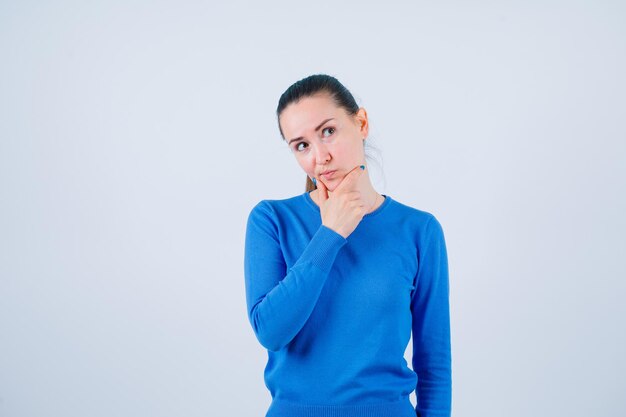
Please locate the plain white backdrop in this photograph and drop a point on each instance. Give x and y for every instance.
(136, 136)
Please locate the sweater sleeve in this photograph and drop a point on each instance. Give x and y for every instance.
(280, 301)
(431, 325)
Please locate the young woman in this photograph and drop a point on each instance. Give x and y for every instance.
(338, 278)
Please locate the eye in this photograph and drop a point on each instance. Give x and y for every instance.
(332, 128)
(298, 144)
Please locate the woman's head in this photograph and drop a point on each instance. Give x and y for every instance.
(324, 128)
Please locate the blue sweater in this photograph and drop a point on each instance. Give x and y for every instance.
(336, 314)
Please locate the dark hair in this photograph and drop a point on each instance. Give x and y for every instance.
(312, 85)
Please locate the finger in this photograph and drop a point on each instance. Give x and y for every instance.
(322, 191)
(350, 179)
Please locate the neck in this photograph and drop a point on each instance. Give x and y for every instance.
(370, 195)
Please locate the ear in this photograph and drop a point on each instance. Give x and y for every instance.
(362, 122)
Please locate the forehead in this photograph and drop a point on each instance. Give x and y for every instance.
(297, 119)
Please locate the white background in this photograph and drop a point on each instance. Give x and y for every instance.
(136, 136)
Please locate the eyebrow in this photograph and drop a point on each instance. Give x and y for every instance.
(316, 129)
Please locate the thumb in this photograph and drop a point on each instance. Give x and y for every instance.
(322, 191)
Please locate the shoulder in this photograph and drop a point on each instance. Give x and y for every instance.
(418, 216)
(424, 225)
(278, 204)
(274, 209)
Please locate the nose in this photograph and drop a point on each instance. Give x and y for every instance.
(321, 154)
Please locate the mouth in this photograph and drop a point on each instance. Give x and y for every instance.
(327, 174)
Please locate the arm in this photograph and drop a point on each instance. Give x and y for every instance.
(280, 302)
(431, 326)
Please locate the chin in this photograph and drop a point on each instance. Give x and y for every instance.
(332, 184)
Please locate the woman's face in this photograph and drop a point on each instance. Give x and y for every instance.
(323, 137)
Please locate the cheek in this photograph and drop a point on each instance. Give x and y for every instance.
(307, 164)
(342, 154)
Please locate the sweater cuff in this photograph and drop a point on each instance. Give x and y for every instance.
(323, 248)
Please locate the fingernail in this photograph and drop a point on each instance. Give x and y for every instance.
(314, 181)
(362, 166)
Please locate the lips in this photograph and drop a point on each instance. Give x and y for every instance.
(327, 174)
